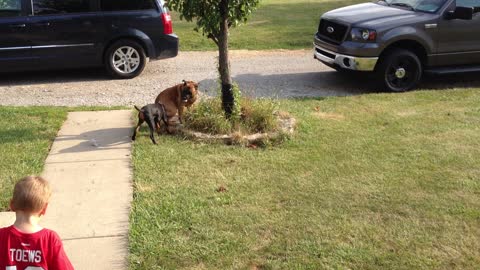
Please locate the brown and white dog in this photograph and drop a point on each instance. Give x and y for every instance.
(177, 97)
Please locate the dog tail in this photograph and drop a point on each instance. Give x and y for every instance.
(136, 107)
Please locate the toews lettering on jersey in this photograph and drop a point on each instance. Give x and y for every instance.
(30, 256)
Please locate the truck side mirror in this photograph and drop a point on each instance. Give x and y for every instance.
(462, 13)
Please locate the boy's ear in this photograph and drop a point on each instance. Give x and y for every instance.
(11, 205)
(44, 210)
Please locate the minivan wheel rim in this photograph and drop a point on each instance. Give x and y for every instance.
(126, 60)
(402, 73)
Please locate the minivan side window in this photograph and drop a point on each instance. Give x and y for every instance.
(10, 8)
(118, 5)
(44, 7)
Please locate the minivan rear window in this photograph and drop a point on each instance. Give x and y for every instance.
(118, 5)
(44, 7)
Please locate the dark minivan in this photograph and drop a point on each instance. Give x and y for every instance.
(118, 34)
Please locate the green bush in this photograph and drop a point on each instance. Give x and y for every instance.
(254, 115)
(208, 117)
(258, 115)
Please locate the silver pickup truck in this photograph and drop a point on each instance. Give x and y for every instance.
(399, 40)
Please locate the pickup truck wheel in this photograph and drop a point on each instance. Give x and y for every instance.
(400, 70)
(125, 59)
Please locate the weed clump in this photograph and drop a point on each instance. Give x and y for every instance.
(249, 116)
(255, 116)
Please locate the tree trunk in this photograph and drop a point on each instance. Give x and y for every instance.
(224, 63)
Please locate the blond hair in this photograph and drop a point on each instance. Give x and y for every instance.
(31, 194)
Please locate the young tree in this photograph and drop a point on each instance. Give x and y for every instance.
(214, 18)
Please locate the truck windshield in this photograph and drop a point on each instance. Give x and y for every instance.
(417, 5)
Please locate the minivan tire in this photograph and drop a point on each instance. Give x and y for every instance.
(400, 70)
(125, 59)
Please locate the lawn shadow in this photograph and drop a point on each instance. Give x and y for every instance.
(19, 135)
(53, 76)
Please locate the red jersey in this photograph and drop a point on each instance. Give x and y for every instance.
(42, 250)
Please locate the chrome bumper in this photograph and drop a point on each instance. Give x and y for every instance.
(345, 61)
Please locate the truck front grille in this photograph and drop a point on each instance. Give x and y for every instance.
(331, 31)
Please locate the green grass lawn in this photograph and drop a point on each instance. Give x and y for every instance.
(26, 135)
(276, 24)
(380, 181)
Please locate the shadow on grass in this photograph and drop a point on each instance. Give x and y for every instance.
(53, 76)
(21, 135)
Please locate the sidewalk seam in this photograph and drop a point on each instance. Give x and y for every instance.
(95, 237)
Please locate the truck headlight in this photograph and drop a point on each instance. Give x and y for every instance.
(363, 35)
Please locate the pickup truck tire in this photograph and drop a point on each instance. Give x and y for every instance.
(400, 70)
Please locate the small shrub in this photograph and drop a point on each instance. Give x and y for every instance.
(258, 115)
(208, 117)
(254, 115)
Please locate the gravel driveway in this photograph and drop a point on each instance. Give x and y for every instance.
(280, 74)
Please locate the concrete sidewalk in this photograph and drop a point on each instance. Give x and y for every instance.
(90, 172)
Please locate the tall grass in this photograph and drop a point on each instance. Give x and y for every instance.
(255, 115)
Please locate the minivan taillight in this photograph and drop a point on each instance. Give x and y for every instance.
(167, 23)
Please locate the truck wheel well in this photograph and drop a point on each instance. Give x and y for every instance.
(410, 45)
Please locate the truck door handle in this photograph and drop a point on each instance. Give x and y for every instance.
(22, 25)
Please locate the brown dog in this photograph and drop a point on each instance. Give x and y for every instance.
(176, 98)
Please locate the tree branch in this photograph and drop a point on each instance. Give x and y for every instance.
(212, 37)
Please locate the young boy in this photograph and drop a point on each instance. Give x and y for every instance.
(26, 245)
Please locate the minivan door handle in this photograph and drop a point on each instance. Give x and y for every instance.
(22, 25)
(42, 24)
